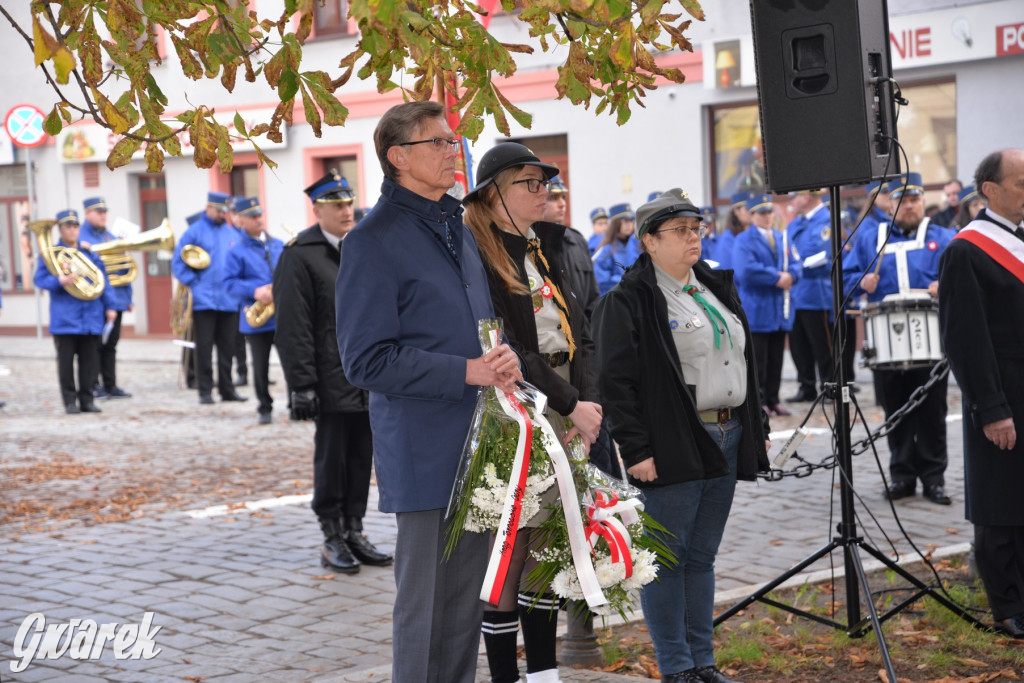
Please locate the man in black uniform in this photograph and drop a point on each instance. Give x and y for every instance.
(579, 267)
(307, 345)
(981, 287)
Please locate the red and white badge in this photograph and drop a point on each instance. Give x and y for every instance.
(546, 292)
(932, 245)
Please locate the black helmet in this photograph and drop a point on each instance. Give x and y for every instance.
(503, 156)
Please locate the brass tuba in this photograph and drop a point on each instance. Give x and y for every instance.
(121, 268)
(89, 281)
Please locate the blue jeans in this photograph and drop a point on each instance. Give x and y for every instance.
(679, 606)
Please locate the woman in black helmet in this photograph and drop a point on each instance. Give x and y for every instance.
(543, 322)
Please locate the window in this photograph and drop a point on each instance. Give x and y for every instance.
(331, 18)
(927, 131)
(737, 161)
(245, 181)
(346, 166)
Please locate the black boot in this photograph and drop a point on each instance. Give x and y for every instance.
(361, 547)
(501, 630)
(335, 553)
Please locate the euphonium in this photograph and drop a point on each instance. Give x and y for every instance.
(89, 282)
(121, 268)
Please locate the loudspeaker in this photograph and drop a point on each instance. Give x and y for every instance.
(826, 99)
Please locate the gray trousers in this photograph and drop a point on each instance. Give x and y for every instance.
(438, 612)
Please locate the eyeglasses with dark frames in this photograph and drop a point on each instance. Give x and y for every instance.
(533, 185)
(439, 143)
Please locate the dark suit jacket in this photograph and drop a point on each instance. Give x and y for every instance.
(981, 314)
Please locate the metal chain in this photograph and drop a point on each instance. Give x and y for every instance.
(805, 468)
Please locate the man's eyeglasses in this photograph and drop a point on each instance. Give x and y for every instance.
(698, 231)
(438, 143)
(533, 185)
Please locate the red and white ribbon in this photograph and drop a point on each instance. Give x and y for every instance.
(578, 544)
(602, 507)
(508, 527)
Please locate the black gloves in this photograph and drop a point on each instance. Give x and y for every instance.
(304, 405)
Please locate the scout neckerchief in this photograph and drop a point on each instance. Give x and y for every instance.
(996, 240)
(541, 263)
(713, 315)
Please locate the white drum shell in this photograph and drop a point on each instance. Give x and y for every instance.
(901, 333)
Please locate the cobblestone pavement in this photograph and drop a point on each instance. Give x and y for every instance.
(140, 509)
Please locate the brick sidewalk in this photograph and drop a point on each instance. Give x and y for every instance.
(240, 596)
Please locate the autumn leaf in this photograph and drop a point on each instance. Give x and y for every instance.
(122, 152)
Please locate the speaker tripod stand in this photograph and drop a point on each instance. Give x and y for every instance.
(847, 538)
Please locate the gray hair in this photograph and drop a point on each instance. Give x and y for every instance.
(396, 125)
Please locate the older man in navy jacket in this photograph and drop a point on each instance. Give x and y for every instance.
(410, 291)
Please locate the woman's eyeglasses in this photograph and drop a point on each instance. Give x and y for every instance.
(698, 232)
(533, 185)
(439, 143)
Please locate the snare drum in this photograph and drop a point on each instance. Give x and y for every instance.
(901, 332)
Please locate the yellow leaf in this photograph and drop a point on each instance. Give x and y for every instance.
(122, 152)
(118, 122)
(44, 45)
(154, 158)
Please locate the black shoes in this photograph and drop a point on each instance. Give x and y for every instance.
(688, 676)
(900, 489)
(779, 410)
(335, 554)
(1013, 627)
(205, 399)
(802, 396)
(91, 408)
(709, 674)
(233, 396)
(72, 408)
(99, 393)
(937, 494)
(365, 551)
(118, 392)
(265, 418)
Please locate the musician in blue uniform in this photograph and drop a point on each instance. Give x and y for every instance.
(767, 266)
(214, 310)
(618, 249)
(910, 261)
(94, 231)
(75, 324)
(249, 274)
(238, 352)
(709, 243)
(736, 223)
(810, 342)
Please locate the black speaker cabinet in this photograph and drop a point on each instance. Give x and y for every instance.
(827, 111)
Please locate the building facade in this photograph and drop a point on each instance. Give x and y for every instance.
(960, 65)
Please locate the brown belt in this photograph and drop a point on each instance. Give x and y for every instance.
(720, 416)
(556, 360)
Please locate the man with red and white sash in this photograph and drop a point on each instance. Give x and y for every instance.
(981, 314)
